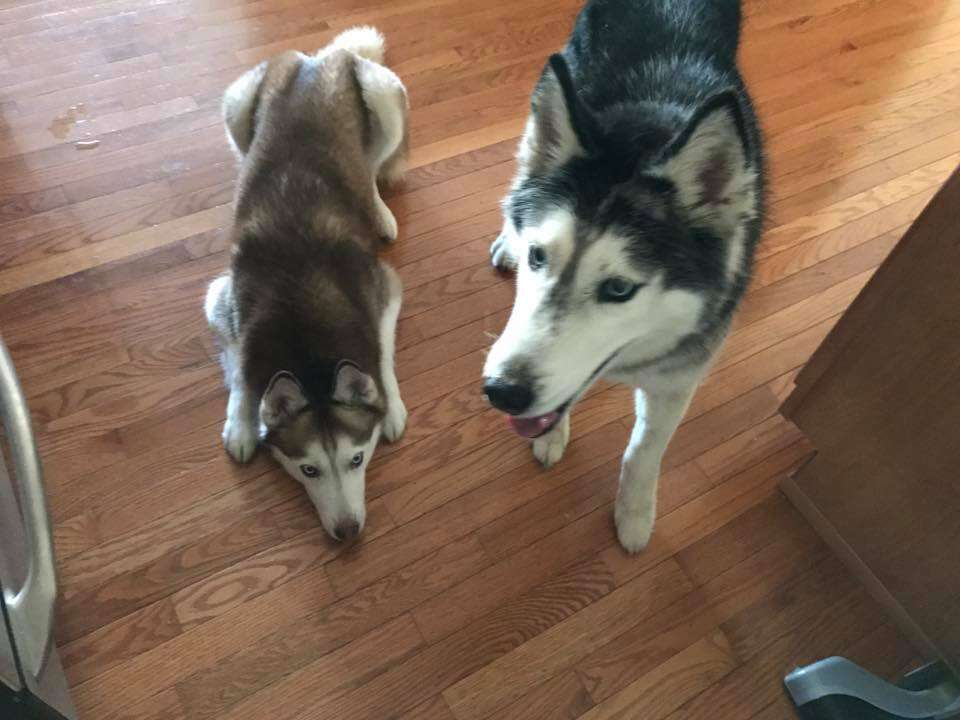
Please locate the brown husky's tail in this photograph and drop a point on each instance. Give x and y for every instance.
(364, 40)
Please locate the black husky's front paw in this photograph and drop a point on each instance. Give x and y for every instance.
(502, 254)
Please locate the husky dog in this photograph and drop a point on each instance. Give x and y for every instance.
(307, 314)
(632, 224)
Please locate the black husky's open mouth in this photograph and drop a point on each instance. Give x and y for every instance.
(534, 427)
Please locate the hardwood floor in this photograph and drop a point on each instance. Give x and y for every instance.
(484, 587)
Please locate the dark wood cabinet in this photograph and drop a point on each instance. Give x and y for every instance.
(880, 401)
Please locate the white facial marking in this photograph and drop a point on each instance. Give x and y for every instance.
(528, 326)
(562, 347)
(339, 488)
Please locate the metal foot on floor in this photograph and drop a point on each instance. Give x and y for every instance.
(837, 689)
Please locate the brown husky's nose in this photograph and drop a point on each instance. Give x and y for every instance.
(508, 397)
(346, 530)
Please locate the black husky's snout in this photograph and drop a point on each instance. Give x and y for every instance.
(512, 398)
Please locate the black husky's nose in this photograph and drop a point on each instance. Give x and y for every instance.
(347, 530)
(512, 399)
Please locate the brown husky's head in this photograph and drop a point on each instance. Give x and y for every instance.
(325, 441)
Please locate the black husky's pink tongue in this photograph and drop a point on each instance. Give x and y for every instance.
(533, 427)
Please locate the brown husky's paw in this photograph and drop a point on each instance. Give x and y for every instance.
(395, 422)
(240, 440)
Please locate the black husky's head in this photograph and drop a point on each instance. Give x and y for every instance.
(631, 229)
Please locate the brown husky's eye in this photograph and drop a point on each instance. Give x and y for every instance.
(309, 470)
(357, 460)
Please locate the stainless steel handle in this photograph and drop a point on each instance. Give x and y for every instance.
(31, 607)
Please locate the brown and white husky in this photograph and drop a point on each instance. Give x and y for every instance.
(306, 315)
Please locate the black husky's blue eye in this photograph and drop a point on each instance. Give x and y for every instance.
(617, 289)
(309, 471)
(357, 460)
(536, 257)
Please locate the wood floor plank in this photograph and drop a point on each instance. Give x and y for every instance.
(324, 680)
(16, 278)
(483, 586)
(732, 588)
(121, 640)
(825, 621)
(124, 593)
(846, 211)
(804, 255)
(772, 521)
(562, 697)
(730, 382)
(748, 448)
(106, 123)
(261, 573)
(862, 61)
(432, 709)
(791, 207)
(507, 490)
(162, 706)
(748, 340)
(491, 637)
(514, 576)
(920, 101)
(170, 531)
(671, 683)
(427, 478)
(81, 170)
(588, 522)
(472, 698)
(561, 646)
(122, 139)
(763, 301)
(220, 687)
(161, 668)
(794, 175)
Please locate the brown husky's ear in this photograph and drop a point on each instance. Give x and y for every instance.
(561, 126)
(709, 165)
(240, 103)
(282, 401)
(351, 386)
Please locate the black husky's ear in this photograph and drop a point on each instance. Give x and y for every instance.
(709, 164)
(240, 103)
(352, 386)
(561, 127)
(282, 401)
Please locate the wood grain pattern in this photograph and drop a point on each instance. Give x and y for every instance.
(560, 646)
(671, 683)
(483, 587)
(611, 668)
(562, 697)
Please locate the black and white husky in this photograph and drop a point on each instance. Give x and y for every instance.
(632, 224)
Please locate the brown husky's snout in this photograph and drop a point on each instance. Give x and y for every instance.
(346, 530)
